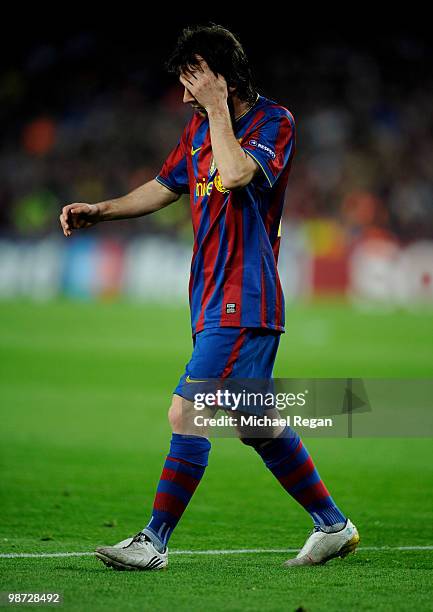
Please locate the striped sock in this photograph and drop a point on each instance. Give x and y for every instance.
(289, 461)
(182, 472)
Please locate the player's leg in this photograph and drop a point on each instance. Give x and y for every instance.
(290, 462)
(183, 469)
(284, 454)
(186, 462)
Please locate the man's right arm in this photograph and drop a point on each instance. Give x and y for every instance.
(148, 198)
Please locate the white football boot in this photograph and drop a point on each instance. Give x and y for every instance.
(321, 547)
(136, 553)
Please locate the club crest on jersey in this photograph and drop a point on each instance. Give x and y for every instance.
(219, 184)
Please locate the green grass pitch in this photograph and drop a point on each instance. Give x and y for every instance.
(84, 391)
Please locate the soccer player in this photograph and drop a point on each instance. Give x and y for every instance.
(233, 159)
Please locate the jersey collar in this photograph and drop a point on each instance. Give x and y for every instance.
(248, 110)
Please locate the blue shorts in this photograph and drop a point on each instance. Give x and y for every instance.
(230, 352)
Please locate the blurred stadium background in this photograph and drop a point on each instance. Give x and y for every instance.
(90, 115)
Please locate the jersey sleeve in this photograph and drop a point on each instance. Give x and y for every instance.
(174, 172)
(271, 144)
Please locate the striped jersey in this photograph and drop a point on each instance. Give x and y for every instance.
(234, 279)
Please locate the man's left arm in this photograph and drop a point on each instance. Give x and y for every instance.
(235, 167)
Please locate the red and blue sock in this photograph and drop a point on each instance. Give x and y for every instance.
(289, 461)
(181, 475)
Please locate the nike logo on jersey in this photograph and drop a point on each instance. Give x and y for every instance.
(194, 151)
(188, 379)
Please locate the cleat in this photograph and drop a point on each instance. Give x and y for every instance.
(321, 546)
(136, 553)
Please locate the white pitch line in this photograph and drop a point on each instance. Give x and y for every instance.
(240, 551)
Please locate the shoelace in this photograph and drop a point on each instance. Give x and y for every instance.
(140, 538)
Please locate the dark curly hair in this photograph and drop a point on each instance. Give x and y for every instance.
(223, 53)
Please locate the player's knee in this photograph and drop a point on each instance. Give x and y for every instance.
(175, 416)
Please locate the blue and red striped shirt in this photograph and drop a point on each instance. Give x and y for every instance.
(234, 278)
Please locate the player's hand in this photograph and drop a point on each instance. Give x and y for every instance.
(208, 89)
(77, 216)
